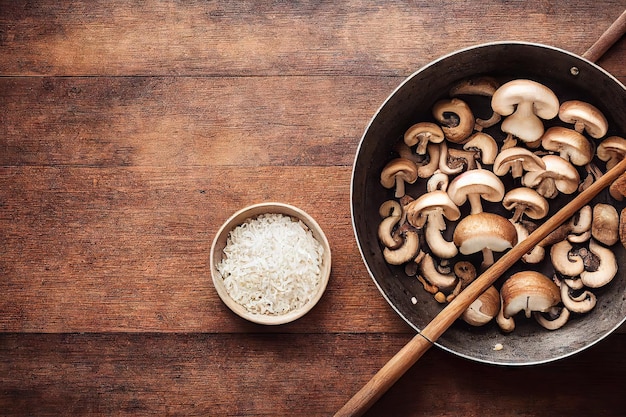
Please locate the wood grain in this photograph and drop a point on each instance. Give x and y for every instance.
(129, 131)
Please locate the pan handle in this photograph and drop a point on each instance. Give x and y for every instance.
(607, 39)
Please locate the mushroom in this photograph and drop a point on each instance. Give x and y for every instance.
(570, 145)
(430, 209)
(556, 318)
(517, 160)
(483, 309)
(528, 291)
(612, 150)
(584, 116)
(526, 201)
(422, 134)
(525, 103)
(605, 272)
(582, 303)
(605, 224)
(391, 212)
(429, 168)
(397, 172)
(486, 232)
(559, 175)
(564, 261)
(485, 144)
(406, 251)
(479, 86)
(579, 224)
(443, 282)
(537, 253)
(456, 117)
(438, 181)
(473, 185)
(443, 161)
(466, 273)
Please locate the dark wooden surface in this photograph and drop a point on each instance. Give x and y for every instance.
(129, 131)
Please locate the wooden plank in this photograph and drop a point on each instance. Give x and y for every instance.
(235, 39)
(198, 121)
(269, 375)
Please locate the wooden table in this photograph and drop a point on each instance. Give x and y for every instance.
(129, 131)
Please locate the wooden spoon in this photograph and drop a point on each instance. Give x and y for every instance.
(416, 347)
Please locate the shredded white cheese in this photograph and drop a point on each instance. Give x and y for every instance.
(271, 264)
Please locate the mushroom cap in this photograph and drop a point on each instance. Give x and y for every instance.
(528, 291)
(565, 176)
(480, 86)
(535, 205)
(484, 231)
(612, 150)
(484, 143)
(421, 134)
(398, 167)
(524, 102)
(476, 181)
(585, 115)
(456, 117)
(513, 158)
(570, 145)
(433, 202)
(483, 309)
(605, 224)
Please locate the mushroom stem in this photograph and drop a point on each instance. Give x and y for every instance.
(476, 205)
(400, 189)
(517, 215)
(488, 259)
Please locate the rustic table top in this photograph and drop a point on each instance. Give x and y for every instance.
(130, 131)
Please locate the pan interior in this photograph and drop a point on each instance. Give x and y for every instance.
(570, 77)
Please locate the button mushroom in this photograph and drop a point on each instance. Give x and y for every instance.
(479, 86)
(584, 116)
(456, 117)
(486, 232)
(581, 303)
(422, 134)
(525, 103)
(564, 261)
(443, 282)
(526, 201)
(559, 175)
(405, 252)
(553, 319)
(606, 270)
(612, 150)
(430, 209)
(432, 162)
(517, 160)
(605, 224)
(569, 144)
(483, 309)
(473, 185)
(391, 212)
(528, 291)
(485, 144)
(396, 173)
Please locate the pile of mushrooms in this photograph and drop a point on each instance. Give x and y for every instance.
(456, 176)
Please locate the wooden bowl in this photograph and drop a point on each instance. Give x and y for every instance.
(217, 253)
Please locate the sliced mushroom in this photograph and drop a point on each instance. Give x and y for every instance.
(422, 134)
(556, 318)
(473, 185)
(569, 144)
(612, 150)
(404, 253)
(396, 173)
(605, 224)
(486, 232)
(456, 117)
(430, 209)
(605, 272)
(483, 309)
(526, 201)
(537, 253)
(583, 303)
(438, 181)
(479, 86)
(517, 160)
(585, 117)
(432, 163)
(525, 103)
(391, 211)
(485, 144)
(577, 225)
(444, 159)
(559, 175)
(444, 282)
(564, 261)
(466, 273)
(528, 291)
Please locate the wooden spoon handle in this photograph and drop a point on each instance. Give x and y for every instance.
(607, 39)
(412, 351)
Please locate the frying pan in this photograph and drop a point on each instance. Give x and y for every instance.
(570, 77)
